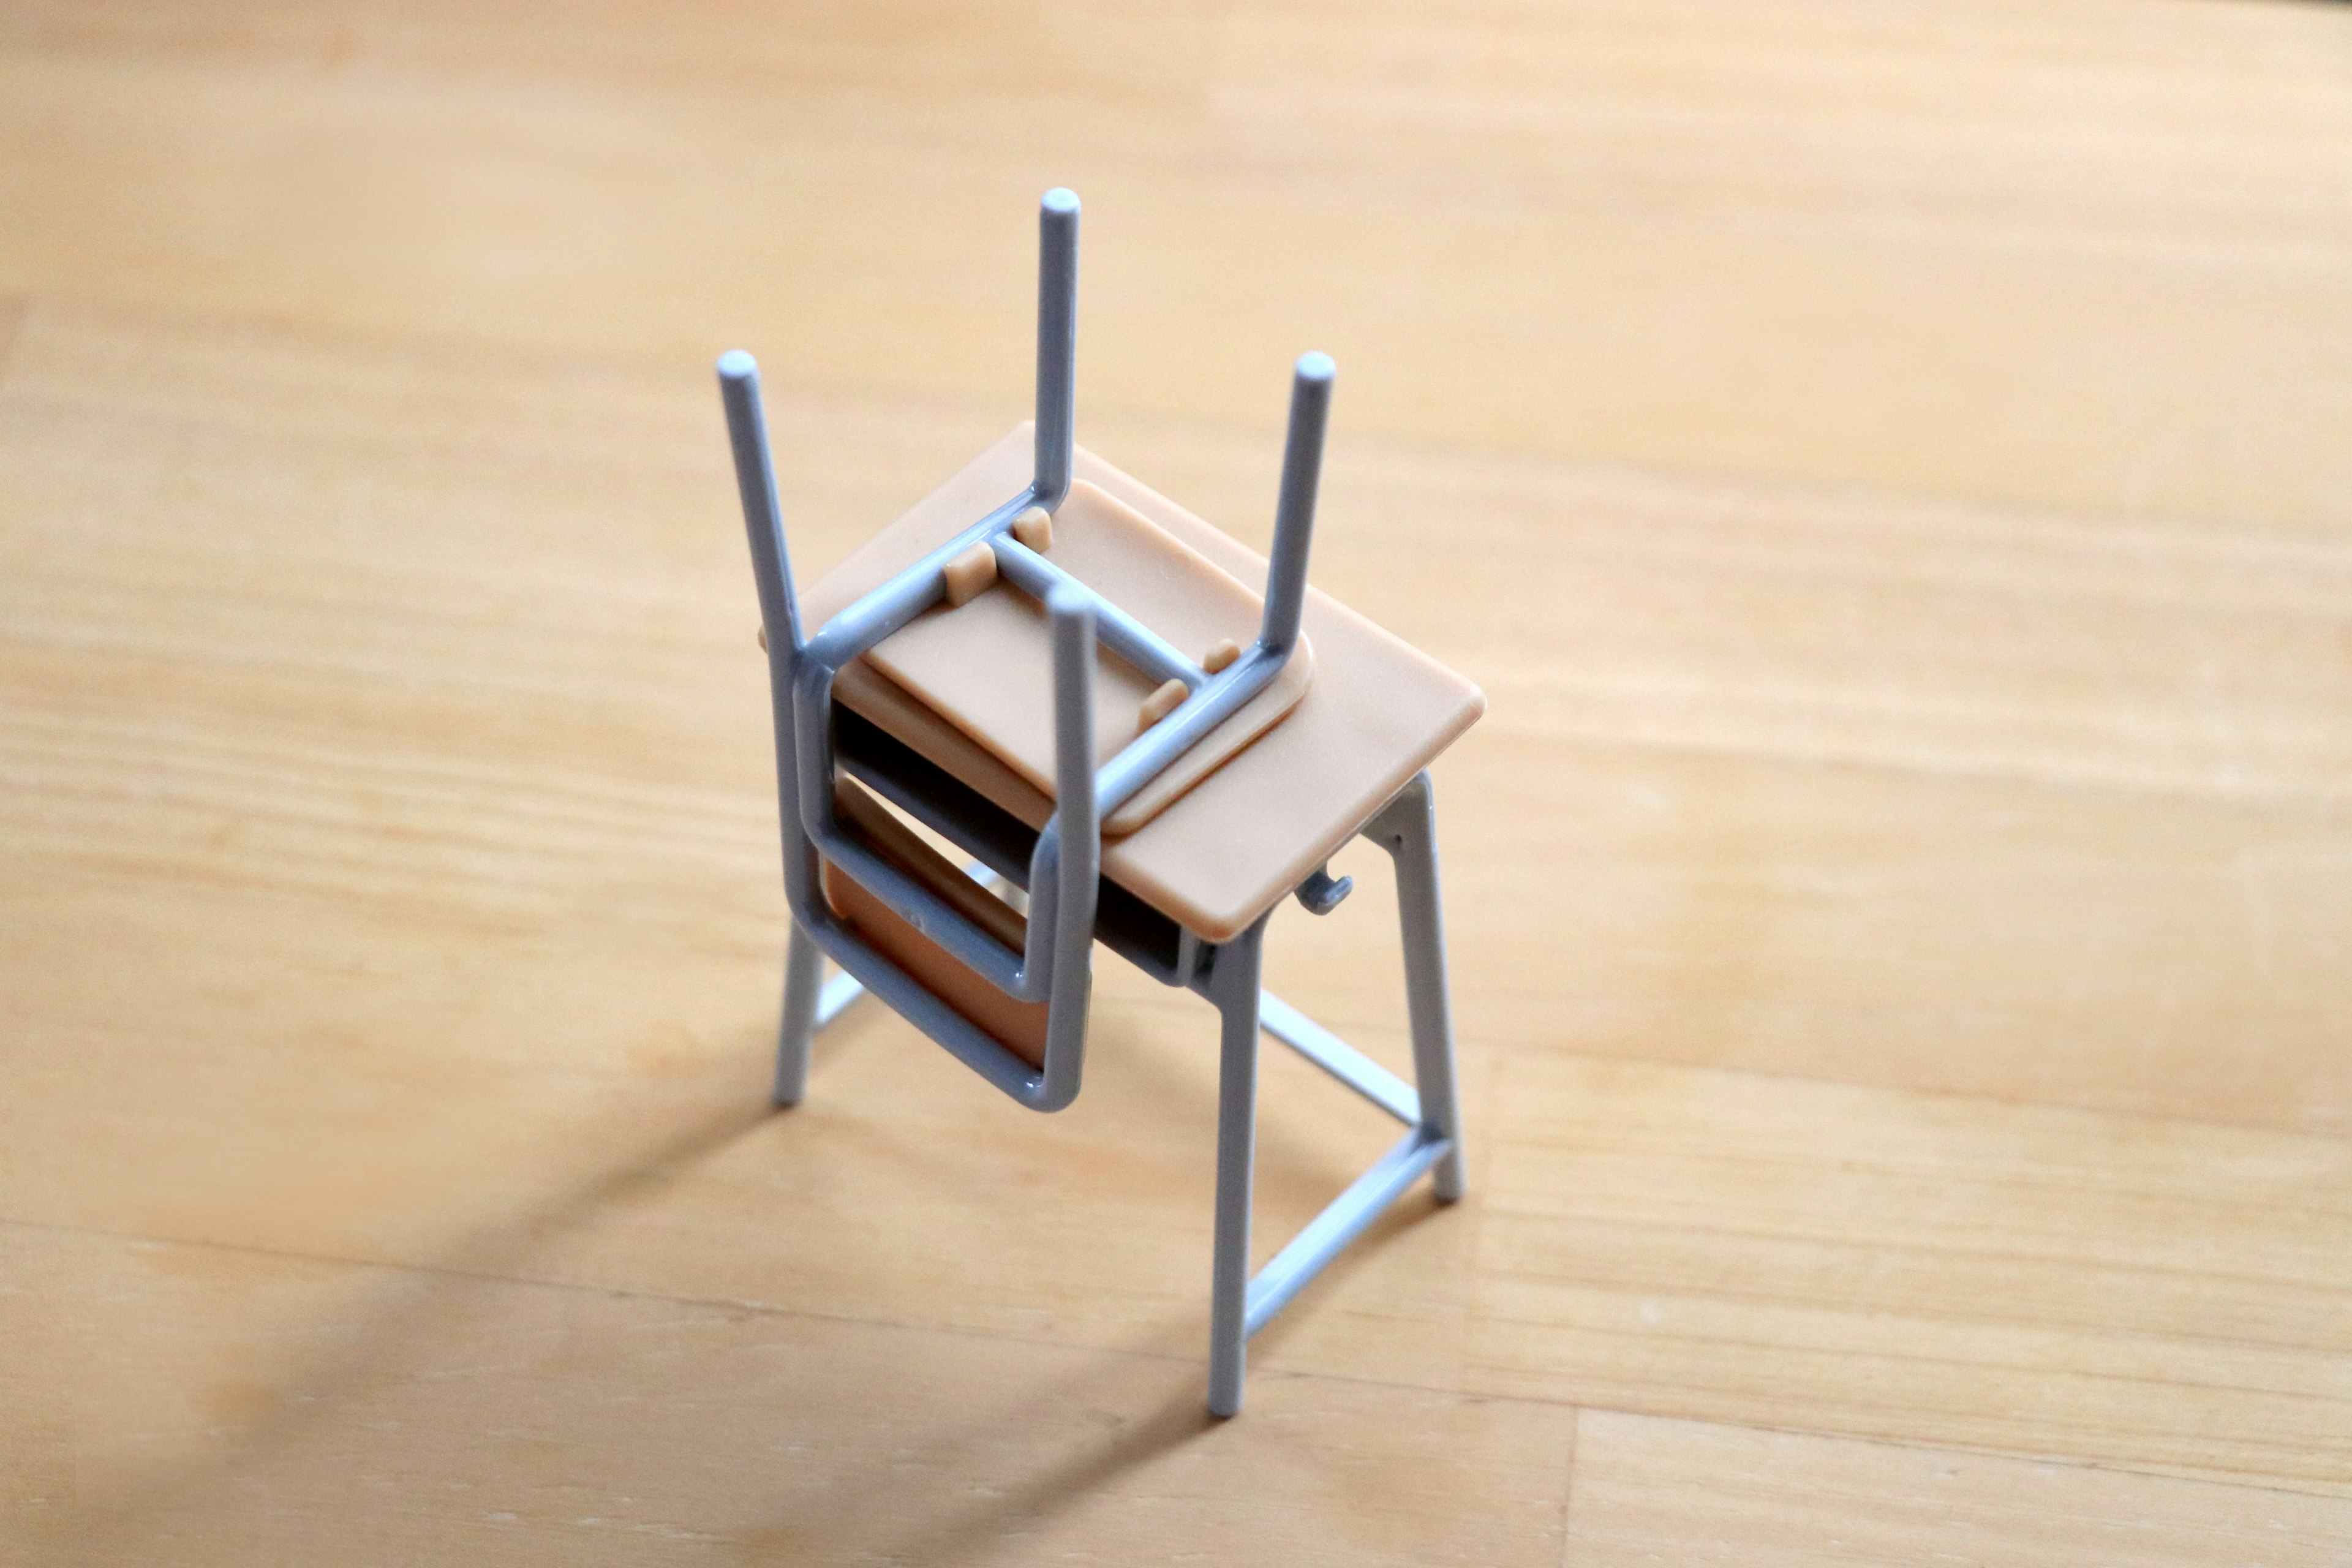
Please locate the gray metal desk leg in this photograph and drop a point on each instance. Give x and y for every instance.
(1407, 829)
(1234, 982)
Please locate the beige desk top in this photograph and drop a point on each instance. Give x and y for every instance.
(1376, 713)
(1884, 462)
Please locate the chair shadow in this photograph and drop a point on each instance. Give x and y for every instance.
(847, 1530)
(390, 1339)
(386, 1341)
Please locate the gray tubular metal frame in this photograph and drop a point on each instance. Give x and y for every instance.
(1228, 976)
(1055, 965)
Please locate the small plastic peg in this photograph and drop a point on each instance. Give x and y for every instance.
(1160, 703)
(971, 574)
(1034, 529)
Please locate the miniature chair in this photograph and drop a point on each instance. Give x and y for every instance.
(1159, 800)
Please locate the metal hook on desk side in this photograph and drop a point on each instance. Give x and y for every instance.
(1321, 892)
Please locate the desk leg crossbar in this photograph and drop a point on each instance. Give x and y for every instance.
(1239, 1303)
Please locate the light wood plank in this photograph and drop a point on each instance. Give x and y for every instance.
(1650, 1491)
(1896, 1265)
(1879, 461)
(203, 1404)
(1997, 257)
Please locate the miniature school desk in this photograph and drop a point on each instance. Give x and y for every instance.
(1072, 679)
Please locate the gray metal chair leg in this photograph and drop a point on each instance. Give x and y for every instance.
(1407, 829)
(1233, 983)
(803, 985)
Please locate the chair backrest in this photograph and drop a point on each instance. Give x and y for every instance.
(882, 910)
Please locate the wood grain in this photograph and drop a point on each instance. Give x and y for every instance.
(1651, 1491)
(1967, 257)
(1840, 1259)
(261, 1407)
(1880, 463)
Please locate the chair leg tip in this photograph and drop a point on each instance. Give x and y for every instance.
(1226, 1386)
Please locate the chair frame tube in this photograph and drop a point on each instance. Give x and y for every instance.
(804, 668)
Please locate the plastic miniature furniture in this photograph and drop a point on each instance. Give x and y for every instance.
(1071, 677)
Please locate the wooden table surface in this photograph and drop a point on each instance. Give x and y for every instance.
(1885, 464)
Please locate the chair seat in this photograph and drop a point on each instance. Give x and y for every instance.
(1375, 712)
(1019, 1027)
(986, 666)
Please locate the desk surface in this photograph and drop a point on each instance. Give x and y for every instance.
(1376, 713)
(1884, 465)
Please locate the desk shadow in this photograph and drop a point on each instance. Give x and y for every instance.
(386, 1340)
(426, 1301)
(850, 1530)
